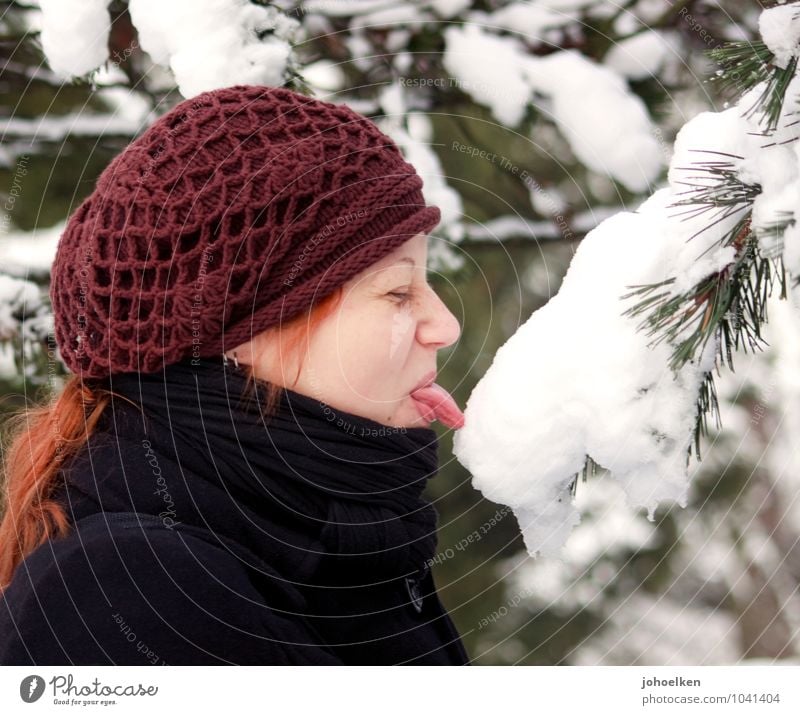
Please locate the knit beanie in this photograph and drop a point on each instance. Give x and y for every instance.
(233, 212)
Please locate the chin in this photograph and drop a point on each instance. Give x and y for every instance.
(406, 416)
(416, 419)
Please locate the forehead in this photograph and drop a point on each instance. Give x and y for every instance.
(399, 263)
(402, 265)
(412, 253)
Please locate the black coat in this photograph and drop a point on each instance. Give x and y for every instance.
(238, 562)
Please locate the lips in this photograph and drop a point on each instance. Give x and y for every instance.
(427, 379)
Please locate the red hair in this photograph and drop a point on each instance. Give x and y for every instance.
(38, 440)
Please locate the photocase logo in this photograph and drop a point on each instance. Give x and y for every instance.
(31, 688)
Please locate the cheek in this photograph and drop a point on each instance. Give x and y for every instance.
(361, 339)
(382, 345)
(401, 333)
(364, 347)
(383, 333)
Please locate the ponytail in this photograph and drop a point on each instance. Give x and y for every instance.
(39, 440)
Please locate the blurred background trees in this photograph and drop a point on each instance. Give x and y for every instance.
(530, 122)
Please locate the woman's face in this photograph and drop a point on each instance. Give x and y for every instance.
(368, 356)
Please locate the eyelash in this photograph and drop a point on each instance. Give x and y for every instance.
(404, 297)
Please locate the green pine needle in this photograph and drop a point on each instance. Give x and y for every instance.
(746, 64)
(770, 234)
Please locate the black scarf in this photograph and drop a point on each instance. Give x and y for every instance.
(354, 483)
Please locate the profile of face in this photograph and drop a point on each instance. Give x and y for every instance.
(377, 347)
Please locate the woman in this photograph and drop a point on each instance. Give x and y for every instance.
(234, 472)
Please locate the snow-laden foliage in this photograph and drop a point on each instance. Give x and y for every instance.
(580, 379)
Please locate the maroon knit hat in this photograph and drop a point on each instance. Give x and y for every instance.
(231, 213)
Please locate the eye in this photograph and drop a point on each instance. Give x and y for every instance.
(401, 296)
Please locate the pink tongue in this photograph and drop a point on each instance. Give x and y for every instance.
(438, 404)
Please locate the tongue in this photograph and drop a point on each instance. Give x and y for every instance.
(436, 403)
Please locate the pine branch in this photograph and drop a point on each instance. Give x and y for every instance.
(746, 64)
(730, 304)
(717, 186)
(716, 189)
(770, 235)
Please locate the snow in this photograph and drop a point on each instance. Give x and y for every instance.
(56, 128)
(130, 108)
(414, 141)
(616, 138)
(393, 14)
(546, 202)
(397, 40)
(544, 21)
(18, 297)
(649, 11)
(360, 49)
(541, 21)
(402, 62)
(206, 43)
(392, 101)
(781, 390)
(502, 227)
(8, 366)
(75, 35)
(642, 55)
(626, 23)
(780, 29)
(708, 137)
(538, 411)
(23, 254)
(650, 630)
(449, 8)
(344, 8)
(576, 581)
(774, 165)
(489, 69)
(684, 623)
(325, 75)
(109, 74)
(526, 18)
(579, 378)
(213, 43)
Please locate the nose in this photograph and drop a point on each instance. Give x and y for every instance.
(437, 326)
